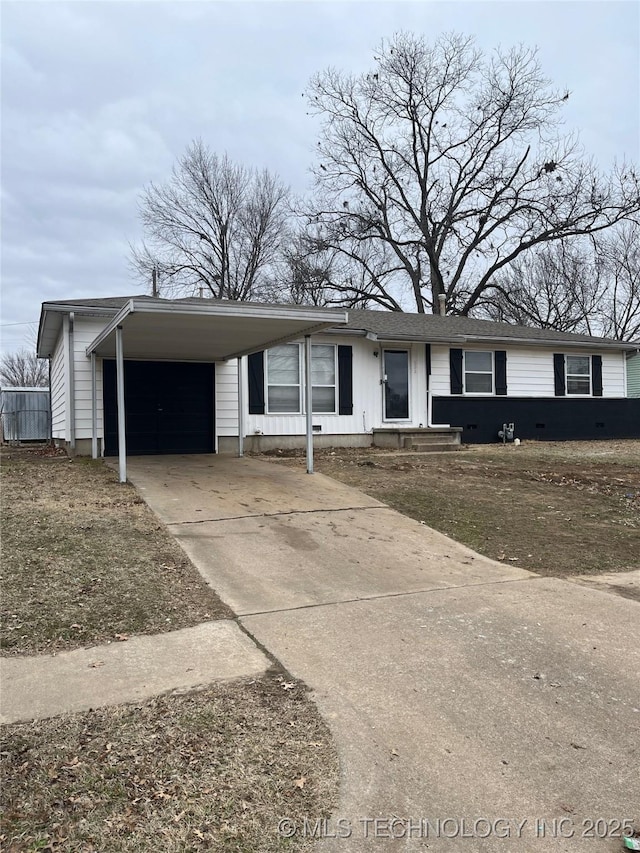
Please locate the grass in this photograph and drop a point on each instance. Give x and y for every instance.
(213, 770)
(84, 560)
(557, 508)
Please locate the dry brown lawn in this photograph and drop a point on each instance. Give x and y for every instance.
(213, 770)
(557, 508)
(85, 560)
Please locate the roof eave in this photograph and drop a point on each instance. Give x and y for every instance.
(316, 317)
(108, 330)
(299, 334)
(56, 308)
(592, 343)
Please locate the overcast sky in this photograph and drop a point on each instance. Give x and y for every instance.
(99, 98)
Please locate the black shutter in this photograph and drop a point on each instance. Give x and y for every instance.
(596, 375)
(345, 380)
(256, 383)
(558, 374)
(500, 362)
(455, 370)
(427, 361)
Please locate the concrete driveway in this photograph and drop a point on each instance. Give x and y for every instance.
(473, 703)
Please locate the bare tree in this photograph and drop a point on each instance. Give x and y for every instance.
(306, 273)
(558, 286)
(453, 161)
(23, 369)
(214, 228)
(590, 286)
(321, 271)
(620, 254)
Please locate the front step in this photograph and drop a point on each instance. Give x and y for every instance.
(419, 439)
(434, 447)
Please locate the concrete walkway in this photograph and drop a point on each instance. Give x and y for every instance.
(142, 667)
(465, 696)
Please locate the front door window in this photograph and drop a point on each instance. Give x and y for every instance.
(396, 385)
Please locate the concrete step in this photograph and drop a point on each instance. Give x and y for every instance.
(436, 438)
(406, 438)
(433, 447)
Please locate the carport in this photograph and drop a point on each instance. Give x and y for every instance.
(188, 332)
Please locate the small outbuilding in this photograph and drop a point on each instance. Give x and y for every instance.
(25, 414)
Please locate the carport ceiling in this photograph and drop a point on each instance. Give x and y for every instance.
(187, 332)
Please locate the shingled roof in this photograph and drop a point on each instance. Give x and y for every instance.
(396, 325)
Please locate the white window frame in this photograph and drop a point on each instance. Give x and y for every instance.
(479, 372)
(578, 376)
(268, 383)
(335, 379)
(300, 384)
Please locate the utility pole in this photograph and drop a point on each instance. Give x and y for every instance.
(154, 281)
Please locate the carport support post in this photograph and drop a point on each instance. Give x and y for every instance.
(308, 402)
(122, 440)
(94, 409)
(240, 409)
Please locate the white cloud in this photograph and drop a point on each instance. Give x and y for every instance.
(100, 98)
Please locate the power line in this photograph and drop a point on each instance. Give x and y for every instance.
(30, 323)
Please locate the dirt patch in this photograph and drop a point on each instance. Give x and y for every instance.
(213, 770)
(85, 560)
(556, 508)
(625, 592)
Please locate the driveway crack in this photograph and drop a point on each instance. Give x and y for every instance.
(383, 595)
(274, 514)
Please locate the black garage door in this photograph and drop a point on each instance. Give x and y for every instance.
(169, 407)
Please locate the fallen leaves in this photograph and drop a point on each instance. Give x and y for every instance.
(209, 770)
(81, 561)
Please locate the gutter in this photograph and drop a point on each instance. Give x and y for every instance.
(65, 308)
(72, 384)
(483, 339)
(50, 405)
(54, 308)
(594, 343)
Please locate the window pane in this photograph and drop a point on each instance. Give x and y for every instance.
(323, 399)
(284, 364)
(284, 398)
(478, 383)
(478, 361)
(578, 385)
(396, 396)
(578, 364)
(323, 364)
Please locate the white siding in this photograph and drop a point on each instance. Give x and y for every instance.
(86, 329)
(439, 384)
(613, 375)
(58, 388)
(226, 413)
(530, 370)
(633, 375)
(367, 395)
